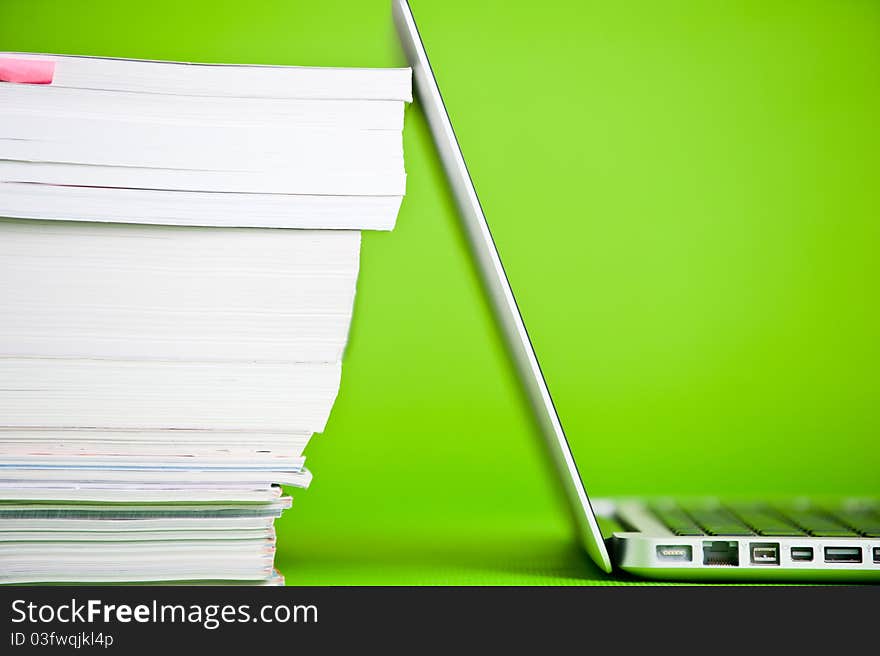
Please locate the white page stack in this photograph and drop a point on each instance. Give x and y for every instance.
(178, 265)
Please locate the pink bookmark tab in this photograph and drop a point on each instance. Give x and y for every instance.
(26, 71)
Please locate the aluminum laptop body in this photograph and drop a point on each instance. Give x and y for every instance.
(666, 539)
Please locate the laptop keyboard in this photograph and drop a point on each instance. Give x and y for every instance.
(770, 521)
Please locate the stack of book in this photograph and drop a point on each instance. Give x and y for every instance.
(177, 278)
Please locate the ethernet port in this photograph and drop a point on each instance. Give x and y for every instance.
(721, 552)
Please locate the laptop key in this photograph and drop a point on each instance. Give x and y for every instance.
(765, 523)
(864, 522)
(718, 521)
(677, 521)
(818, 524)
(729, 529)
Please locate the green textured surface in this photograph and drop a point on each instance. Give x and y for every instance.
(685, 198)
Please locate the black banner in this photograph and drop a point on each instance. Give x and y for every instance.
(239, 619)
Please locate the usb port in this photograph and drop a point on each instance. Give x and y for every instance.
(682, 553)
(764, 553)
(843, 554)
(877, 554)
(802, 553)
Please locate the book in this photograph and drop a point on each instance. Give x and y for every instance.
(221, 208)
(288, 147)
(114, 291)
(230, 395)
(49, 103)
(162, 441)
(306, 182)
(223, 80)
(198, 146)
(179, 254)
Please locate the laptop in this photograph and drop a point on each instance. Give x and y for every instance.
(664, 539)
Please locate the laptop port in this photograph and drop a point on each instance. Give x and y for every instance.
(802, 553)
(764, 553)
(877, 554)
(682, 553)
(843, 554)
(720, 552)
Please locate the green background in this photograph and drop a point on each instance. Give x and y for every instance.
(685, 196)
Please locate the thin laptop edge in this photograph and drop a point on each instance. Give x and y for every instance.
(495, 280)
